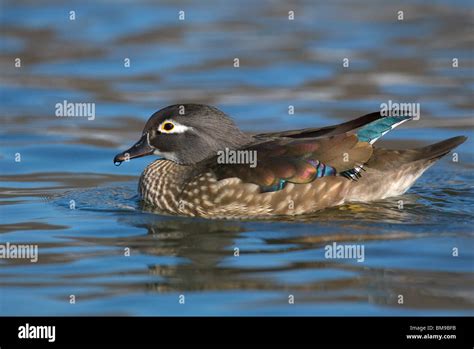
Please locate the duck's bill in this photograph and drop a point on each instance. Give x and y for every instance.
(139, 149)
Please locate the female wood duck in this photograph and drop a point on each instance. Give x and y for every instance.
(210, 168)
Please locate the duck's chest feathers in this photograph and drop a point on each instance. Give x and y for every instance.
(161, 184)
(177, 189)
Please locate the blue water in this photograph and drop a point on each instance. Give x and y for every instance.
(82, 246)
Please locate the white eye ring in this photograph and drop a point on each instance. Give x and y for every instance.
(177, 127)
(167, 127)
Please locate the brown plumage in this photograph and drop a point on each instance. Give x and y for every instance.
(297, 172)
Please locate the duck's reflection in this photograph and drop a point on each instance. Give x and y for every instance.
(198, 255)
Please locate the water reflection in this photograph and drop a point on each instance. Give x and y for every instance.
(203, 260)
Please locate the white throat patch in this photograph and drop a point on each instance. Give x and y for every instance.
(166, 155)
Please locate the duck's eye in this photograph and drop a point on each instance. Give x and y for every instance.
(167, 126)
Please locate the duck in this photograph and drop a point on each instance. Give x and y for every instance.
(208, 167)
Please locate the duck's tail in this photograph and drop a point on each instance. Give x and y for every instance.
(390, 159)
(392, 172)
(437, 150)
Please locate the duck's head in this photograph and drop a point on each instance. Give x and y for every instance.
(186, 134)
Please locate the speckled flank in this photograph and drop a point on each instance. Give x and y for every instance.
(205, 196)
(377, 185)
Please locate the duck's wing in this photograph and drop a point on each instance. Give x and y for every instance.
(273, 162)
(327, 130)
